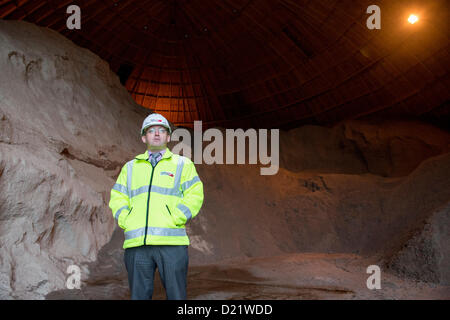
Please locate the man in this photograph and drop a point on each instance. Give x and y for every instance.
(155, 195)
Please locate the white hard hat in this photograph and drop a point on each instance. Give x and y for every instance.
(155, 119)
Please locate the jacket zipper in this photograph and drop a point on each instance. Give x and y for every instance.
(148, 200)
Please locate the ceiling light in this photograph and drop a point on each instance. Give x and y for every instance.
(413, 19)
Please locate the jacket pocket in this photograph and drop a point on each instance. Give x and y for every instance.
(126, 219)
(123, 219)
(174, 218)
(168, 210)
(171, 216)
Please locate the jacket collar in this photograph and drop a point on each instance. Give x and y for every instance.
(145, 155)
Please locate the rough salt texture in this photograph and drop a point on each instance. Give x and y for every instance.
(64, 134)
(250, 215)
(426, 255)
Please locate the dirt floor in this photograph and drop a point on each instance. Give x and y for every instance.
(311, 276)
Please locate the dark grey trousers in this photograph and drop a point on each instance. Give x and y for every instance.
(172, 263)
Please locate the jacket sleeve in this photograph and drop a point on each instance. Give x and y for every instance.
(119, 201)
(192, 189)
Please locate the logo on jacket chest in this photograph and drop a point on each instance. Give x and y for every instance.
(170, 174)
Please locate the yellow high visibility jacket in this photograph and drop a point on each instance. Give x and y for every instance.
(153, 205)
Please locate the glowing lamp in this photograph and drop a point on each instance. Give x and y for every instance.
(413, 19)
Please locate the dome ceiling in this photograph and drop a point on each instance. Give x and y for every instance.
(265, 63)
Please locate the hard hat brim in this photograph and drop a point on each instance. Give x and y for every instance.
(155, 124)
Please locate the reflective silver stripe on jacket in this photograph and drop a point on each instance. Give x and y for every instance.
(129, 176)
(155, 231)
(177, 179)
(121, 188)
(186, 185)
(161, 190)
(186, 211)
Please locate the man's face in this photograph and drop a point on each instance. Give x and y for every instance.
(156, 137)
